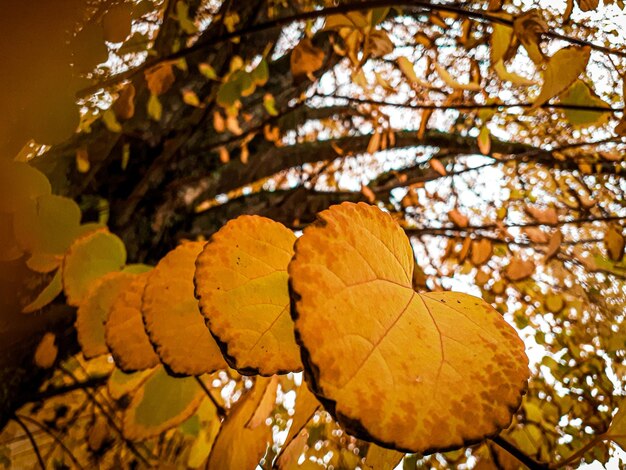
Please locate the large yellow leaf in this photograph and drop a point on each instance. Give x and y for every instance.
(172, 317)
(414, 372)
(124, 331)
(241, 286)
(160, 404)
(563, 68)
(250, 442)
(121, 383)
(94, 309)
(89, 258)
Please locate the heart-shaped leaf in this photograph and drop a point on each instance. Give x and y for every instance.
(414, 372)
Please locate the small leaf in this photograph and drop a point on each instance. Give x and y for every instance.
(562, 70)
(124, 106)
(305, 59)
(270, 104)
(160, 78)
(546, 215)
(519, 269)
(241, 286)
(436, 165)
(454, 84)
(125, 335)
(154, 109)
(512, 77)
(172, 318)
(254, 440)
(458, 219)
(89, 258)
(614, 242)
(93, 312)
(390, 363)
(162, 403)
(484, 140)
(554, 244)
(481, 251)
(46, 352)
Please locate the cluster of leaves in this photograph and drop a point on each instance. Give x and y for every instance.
(535, 229)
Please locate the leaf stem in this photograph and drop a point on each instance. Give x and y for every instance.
(576, 456)
(220, 409)
(518, 454)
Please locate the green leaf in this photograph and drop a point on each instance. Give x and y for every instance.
(162, 403)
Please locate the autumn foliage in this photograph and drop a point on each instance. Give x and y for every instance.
(312, 234)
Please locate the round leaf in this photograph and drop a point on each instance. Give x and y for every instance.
(93, 312)
(20, 183)
(160, 404)
(124, 331)
(90, 257)
(241, 285)
(172, 317)
(414, 372)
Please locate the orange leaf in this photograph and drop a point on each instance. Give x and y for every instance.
(390, 363)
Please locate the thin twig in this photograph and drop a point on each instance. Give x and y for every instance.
(31, 438)
(576, 456)
(310, 15)
(469, 106)
(220, 409)
(518, 454)
(48, 431)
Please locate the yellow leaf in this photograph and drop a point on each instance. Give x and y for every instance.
(390, 364)
(224, 155)
(452, 83)
(160, 78)
(224, 454)
(407, 68)
(93, 312)
(154, 109)
(374, 144)
(379, 458)
(519, 269)
(554, 303)
(305, 59)
(111, 122)
(563, 68)
(528, 28)
(48, 226)
(582, 94)
(436, 165)
(241, 286)
(484, 140)
(190, 98)
(20, 184)
(90, 257)
(172, 317)
(125, 335)
(512, 77)
(82, 160)
(306, 406)
(614, 242)
(481, 251)
(124, 106)
(46, 352)
(121, 383)
(161, 403)
(501, 38)
(47, 295)
(617, 429)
